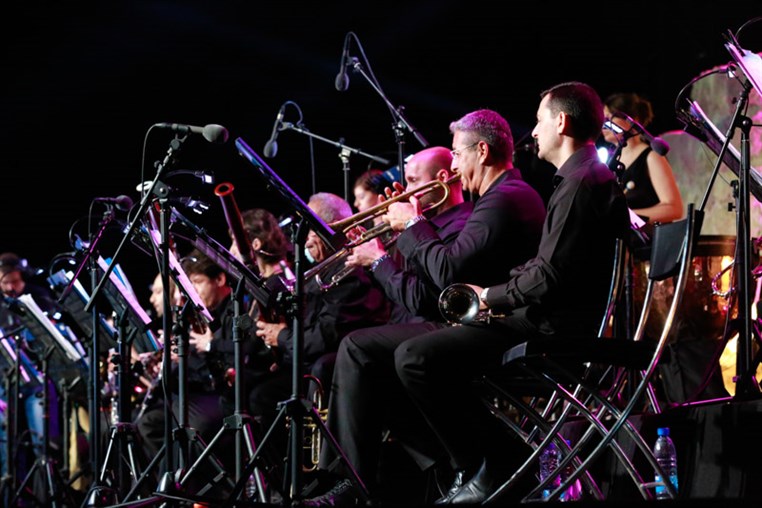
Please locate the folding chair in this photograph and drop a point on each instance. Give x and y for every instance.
(597, 382)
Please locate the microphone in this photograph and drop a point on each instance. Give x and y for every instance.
(213, 132)
(271, 147)
(123, 203)
(657, 144)
(342, 78)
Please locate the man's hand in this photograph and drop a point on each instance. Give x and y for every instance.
(201, 341)
(365, 253)
(268, 332)
(399, 213)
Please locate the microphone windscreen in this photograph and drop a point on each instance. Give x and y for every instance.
(123, 203)
(342, 81)
(271, 148)
(215, 133)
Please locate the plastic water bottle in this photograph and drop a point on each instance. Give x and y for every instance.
(548, 464)
(666, 456)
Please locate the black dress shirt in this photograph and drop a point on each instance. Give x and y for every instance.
(353, 303)
(502, 232)
(406, 283)
(563, 287)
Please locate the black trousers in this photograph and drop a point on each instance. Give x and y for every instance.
(438, 371)
(367, 399)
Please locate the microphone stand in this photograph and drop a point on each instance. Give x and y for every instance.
(400, 122)
(345, 151)
(297, 407)
(746, 385)
(156, 188)
(94, 352)
(615, 164)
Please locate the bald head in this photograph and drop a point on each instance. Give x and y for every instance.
(429, 164)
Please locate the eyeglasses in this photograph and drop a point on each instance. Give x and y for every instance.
(456, 153)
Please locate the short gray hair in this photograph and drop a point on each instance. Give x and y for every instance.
(488, 126)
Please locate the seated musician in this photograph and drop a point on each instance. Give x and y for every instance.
(329, 314)
(15, 281)
(209, 362)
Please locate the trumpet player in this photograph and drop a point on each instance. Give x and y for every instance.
(412, 293)
(501, 232)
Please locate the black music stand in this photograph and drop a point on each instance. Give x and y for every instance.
(298, 407)
(49, 343)
(123, 301)
(73, 302)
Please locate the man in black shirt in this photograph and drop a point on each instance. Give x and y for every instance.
(561, 290)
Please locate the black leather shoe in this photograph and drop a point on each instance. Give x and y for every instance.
(477, 489)
(457, 483)
(342, 494)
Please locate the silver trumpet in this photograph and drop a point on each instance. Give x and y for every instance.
(459, 304)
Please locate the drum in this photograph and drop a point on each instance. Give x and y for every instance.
(704, 309)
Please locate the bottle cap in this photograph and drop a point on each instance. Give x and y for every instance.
(662, 431)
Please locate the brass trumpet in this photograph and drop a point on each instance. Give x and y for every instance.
(328, 272)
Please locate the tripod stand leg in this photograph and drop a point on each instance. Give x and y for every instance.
(251, 466)
(153, 464)
(56, 494)
(206, 453)
(259, 480)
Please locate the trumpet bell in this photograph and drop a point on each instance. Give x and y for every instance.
(459, 304)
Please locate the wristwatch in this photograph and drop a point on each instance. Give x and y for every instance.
(414, 220)
(378, 261)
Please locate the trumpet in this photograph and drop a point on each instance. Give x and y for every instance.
(312, 440)
(329, 272)
(459, 304)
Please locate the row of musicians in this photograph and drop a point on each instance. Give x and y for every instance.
(397, 287)
(402, 286)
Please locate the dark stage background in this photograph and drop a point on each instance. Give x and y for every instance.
(83, 82)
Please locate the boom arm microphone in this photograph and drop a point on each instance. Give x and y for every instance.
(271, 147)
(123, 203)
(657, 144)
(213, 132)
(342, 78)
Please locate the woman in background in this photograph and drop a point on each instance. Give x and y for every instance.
(648, 182)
